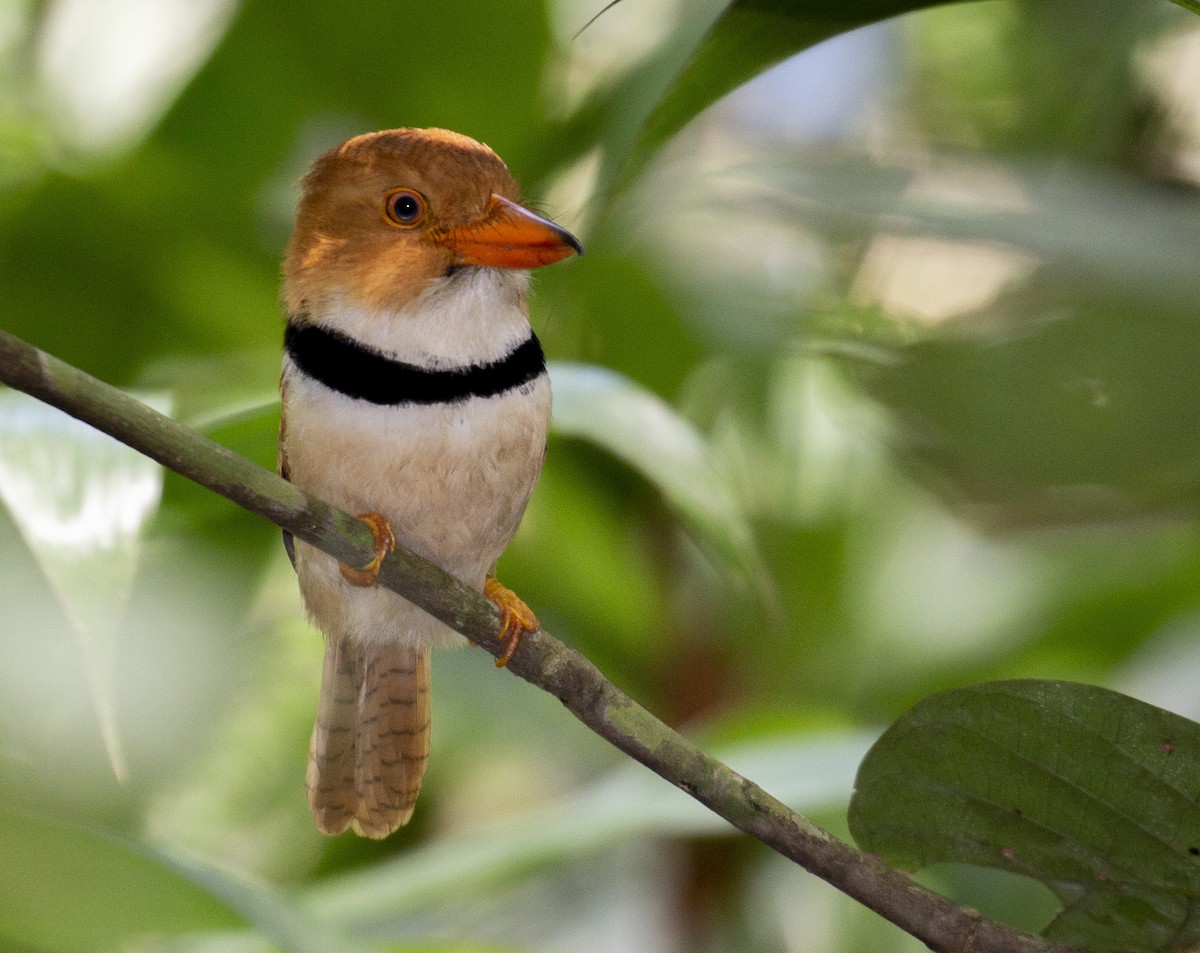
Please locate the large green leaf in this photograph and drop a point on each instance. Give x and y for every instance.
(1089, 791)
(749, 37)
(65, 888)
(717, 46)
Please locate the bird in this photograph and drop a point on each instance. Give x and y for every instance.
(414, 396)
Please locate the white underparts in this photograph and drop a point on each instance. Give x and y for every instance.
(452, 478)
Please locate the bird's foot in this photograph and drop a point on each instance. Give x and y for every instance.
(385, 542)
(517, 618)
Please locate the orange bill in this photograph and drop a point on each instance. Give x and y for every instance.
(510, 236)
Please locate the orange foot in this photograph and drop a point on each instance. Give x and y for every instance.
(518, 618)
(385, 542)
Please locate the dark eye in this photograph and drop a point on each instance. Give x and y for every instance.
(404, 207)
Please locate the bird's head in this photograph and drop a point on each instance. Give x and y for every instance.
(386, 213)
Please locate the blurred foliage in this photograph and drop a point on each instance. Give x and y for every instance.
(897, 396)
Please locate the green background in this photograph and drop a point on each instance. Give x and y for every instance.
(785, 498)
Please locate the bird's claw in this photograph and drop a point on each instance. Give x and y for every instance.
(516, 616)
(385, 542)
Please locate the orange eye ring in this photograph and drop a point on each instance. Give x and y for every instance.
(404, 208)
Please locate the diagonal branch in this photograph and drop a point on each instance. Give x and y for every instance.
(542, 659)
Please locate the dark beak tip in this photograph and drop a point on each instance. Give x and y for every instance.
(568, 239)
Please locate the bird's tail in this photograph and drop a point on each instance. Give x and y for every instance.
(370, 744)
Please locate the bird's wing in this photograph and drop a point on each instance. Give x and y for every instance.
(281, 464)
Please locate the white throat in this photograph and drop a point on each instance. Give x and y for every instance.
(474, 316)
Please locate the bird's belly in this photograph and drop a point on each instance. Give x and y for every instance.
(453, 480)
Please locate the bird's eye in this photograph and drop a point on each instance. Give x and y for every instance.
(404, 207)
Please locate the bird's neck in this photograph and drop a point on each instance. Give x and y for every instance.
(472, 317)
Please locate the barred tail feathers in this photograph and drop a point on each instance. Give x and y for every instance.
(370, 744)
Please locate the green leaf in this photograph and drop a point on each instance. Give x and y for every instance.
(277, 918)
(1051, 405)
(445, 946)
(751, 36)
(65, 888)
(613, 412)
(807, 772)
(81, 502)
(1117, 231)
(1089, 791)
(718, 46)
(1051, 400)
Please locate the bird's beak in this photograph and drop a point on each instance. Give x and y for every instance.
(510, 236)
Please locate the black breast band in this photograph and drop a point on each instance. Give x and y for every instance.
(350, 368)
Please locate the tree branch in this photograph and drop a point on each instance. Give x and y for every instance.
(542, 659)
